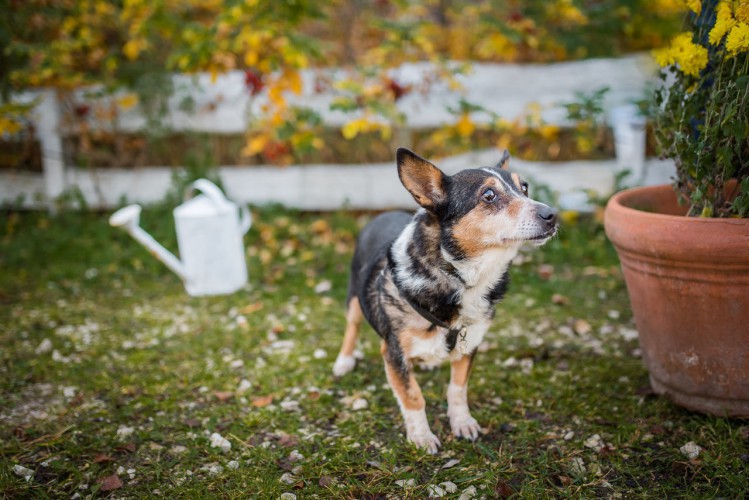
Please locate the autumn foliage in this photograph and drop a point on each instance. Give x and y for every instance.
(129, 44)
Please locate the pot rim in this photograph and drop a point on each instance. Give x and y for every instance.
(618, 200)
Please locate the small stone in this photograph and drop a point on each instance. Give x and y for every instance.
(359, 404)
(435, 491)
(449, 486)
(233, 464)
(44, 347)
(123, 432)
(244, 386)
(218, 441)
(450, 463)
(691, 450)
(468, 493)
(405, 483)
(323, 286)
(288, 496)
(594, 442)
(568, 436)
(319, 354)
(577, 467)
(21, 471)
(287, 478)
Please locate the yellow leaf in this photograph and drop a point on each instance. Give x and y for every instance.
(132, 49)
(351, 129)
(255, 145)
(250, 58)
(9, 126)
(465, 126)
(127, 101)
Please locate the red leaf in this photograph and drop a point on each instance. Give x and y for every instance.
(110, 483)
(126, 447)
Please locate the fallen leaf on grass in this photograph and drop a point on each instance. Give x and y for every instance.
(262, 401)
(560, 300)
(582, 327)
(503, 490)
(325, 482)
(223, 396)
(545, 271)
(251, 308)
(99, 459)
(129, 447)
(288, 440)
(110, 483)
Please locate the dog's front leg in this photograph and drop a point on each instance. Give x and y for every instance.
(461, 421)
(411, 401)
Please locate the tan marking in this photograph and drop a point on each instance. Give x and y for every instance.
(516, 180)
(408, 392)
(494, 183)
(515, 207)
(423, 180)
(470, 232)
(460, 370)
(353, 320)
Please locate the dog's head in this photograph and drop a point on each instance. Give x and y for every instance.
(478, 209)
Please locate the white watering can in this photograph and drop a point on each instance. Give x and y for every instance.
(209, 234)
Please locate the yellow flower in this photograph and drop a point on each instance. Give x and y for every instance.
(689, 56)
(723, 23)
(738, 39)
(694, 5)
(742, 12)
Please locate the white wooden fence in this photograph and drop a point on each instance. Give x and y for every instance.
(224, 107)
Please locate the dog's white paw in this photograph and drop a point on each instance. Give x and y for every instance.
(343, 365)
(465, 426)
(426, 441)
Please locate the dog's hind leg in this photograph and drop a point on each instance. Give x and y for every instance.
(410, 399)
(462, 423)
(345, 361)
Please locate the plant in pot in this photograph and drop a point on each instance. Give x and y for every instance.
(684, 249)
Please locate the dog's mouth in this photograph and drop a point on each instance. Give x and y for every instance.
(545, 236)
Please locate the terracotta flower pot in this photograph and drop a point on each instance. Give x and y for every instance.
(688, 282)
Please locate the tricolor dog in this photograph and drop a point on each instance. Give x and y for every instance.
(428, 283)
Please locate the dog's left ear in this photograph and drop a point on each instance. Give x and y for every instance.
(504, 162)
(422, 179)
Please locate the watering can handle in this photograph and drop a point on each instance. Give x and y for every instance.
(245, 220)
(211, 191)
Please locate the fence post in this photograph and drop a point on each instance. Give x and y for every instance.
(47, 117)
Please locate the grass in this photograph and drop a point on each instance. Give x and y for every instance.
(109, 369)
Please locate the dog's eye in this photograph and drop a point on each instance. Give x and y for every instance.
(524, 188)
(489, 195)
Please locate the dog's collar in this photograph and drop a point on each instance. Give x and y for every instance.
(453, 334)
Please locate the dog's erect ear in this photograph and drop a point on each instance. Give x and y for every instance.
(424, 181)
(504, 162)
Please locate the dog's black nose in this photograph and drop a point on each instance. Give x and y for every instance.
(547, 214)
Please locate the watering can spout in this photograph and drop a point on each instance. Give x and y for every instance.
(128, 218)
